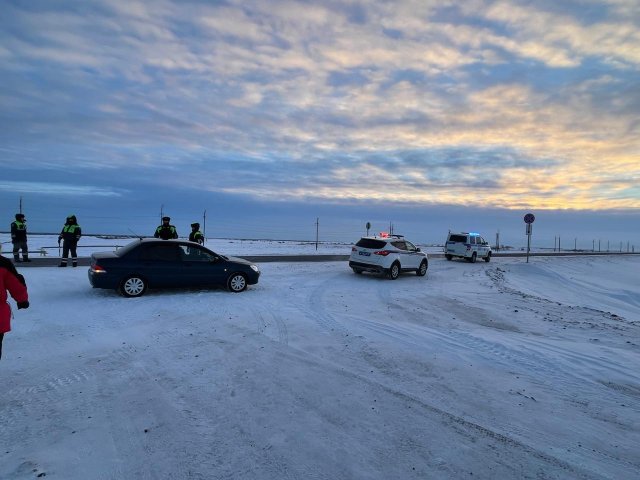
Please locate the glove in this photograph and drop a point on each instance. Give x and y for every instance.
(24, 304)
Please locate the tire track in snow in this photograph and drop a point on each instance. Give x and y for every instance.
(266, 317)
(532, 358)
(450, 420)
(317, 309)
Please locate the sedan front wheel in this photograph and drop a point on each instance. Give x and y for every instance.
(237, 282)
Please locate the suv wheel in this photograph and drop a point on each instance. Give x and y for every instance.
(488, 257)
(474, 257)
(394, 271)
(448, 257)
(422, 270)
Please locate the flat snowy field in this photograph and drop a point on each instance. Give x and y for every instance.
(233, 247)
(492, 371)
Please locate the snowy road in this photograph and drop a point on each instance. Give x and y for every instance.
(499, 370)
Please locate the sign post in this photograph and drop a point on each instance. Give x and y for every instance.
(529, 218)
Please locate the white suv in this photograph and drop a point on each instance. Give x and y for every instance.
(469, 246)
(388, 254)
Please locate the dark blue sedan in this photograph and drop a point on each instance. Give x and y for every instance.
(152, 263)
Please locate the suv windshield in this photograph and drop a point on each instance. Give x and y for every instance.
(370, 243)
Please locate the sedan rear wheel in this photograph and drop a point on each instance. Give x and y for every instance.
(133, 286)
(237, 282)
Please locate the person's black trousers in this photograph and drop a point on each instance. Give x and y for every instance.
(67, 247)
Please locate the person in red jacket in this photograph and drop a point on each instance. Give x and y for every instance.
(13, 282)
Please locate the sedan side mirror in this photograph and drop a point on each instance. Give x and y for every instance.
(418, 249)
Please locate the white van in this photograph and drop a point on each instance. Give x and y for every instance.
(469, 246)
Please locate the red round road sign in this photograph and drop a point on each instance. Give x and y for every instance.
(529, 218)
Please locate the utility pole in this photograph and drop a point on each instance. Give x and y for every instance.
(599, 245)
(558, 242)
(498, 240)
(575, 244)
(161, 212)
(317, 230)
(204, 226)
(20, 210)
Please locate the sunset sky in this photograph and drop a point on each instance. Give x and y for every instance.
(342, 109)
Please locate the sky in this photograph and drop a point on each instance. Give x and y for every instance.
(269, 115)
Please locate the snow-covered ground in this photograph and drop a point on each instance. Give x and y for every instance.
(499, 370)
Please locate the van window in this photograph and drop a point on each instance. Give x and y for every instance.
(458, 238)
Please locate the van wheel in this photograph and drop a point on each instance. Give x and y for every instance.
(448, 257)
(422, 270)
(488, 257)
(474, 257)
(394, 271)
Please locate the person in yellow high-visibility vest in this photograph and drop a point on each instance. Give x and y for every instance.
(70, 234)
(19, 238)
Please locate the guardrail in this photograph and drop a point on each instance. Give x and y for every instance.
(86, 261)
(44, 251)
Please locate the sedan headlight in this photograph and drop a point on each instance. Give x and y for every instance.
(255, 268)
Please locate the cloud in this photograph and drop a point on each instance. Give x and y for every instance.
(499, 103)
(58, 189)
